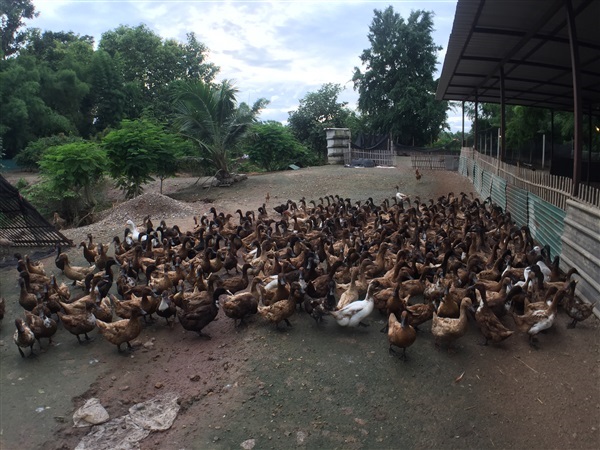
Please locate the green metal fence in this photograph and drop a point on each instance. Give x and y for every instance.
(545, 221)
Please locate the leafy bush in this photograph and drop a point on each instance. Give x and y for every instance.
(70, 174)
(272, 146)
(138, 150)
(21, 184)
(196, 166)
(30, 156)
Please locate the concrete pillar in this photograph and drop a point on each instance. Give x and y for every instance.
(338, 140)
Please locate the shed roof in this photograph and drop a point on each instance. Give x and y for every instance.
(530, 40)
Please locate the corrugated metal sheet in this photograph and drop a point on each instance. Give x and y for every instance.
(486, 184)
(546, 223)
(462, 166)
(580, 244)
(517, 204)
(499, 191)
(477, 179)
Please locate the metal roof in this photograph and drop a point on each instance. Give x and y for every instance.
(530, 40)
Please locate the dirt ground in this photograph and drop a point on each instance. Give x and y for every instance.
(309, 386)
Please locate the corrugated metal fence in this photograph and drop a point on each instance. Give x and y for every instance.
(545, 221)
(580, 248)
(571, 227)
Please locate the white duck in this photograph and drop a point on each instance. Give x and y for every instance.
(135, 233)
(352, 314)
(400, 197)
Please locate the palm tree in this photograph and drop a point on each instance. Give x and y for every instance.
(209, 115)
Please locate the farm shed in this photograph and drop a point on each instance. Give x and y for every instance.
(21, 224)
(538, 54)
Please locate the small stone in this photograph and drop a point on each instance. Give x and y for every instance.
(195, 378)
(158, 385)
(248, 444)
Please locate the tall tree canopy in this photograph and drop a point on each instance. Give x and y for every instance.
(12, 13)
(316, 112)
(148, 65)
(397, 88)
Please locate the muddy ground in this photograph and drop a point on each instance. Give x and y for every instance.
(309, 386)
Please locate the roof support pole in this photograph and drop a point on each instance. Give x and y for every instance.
(577, 106)
(589, 164)
(551, 136)
(464, 144)
(501, 157)
(475, 122)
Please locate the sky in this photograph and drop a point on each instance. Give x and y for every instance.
(279, 50)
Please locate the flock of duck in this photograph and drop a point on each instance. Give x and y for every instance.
(446, 261)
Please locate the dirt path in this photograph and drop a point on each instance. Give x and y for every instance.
(309, 386)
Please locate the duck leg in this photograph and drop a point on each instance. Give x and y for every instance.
(288, 322)
(403, 356)
(204, 335)
(385, 328)
(572, 324)
(21, 352)
(533, 342)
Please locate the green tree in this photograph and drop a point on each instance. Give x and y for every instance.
(138, 150)
(397, 89)
(209, 115)
(108, 91)
(12, 15)
(70, 174)
(148, 65)
(24, 115)
(272, 146)
(316, 112)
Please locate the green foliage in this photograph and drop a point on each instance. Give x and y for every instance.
(397, 89)
(12, 13)
(196, 166)
(208, 115)
(70, 173)
(449, 141)
(21, 184)
(30, 157)
(138, 150)
(24, 116)
(273, 147)
(148, 65)
(56, 82)
(316, 112)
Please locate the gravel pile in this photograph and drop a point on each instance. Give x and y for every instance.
(159, 207)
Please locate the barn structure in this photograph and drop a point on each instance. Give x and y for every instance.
(21, 225)
(539, 54)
